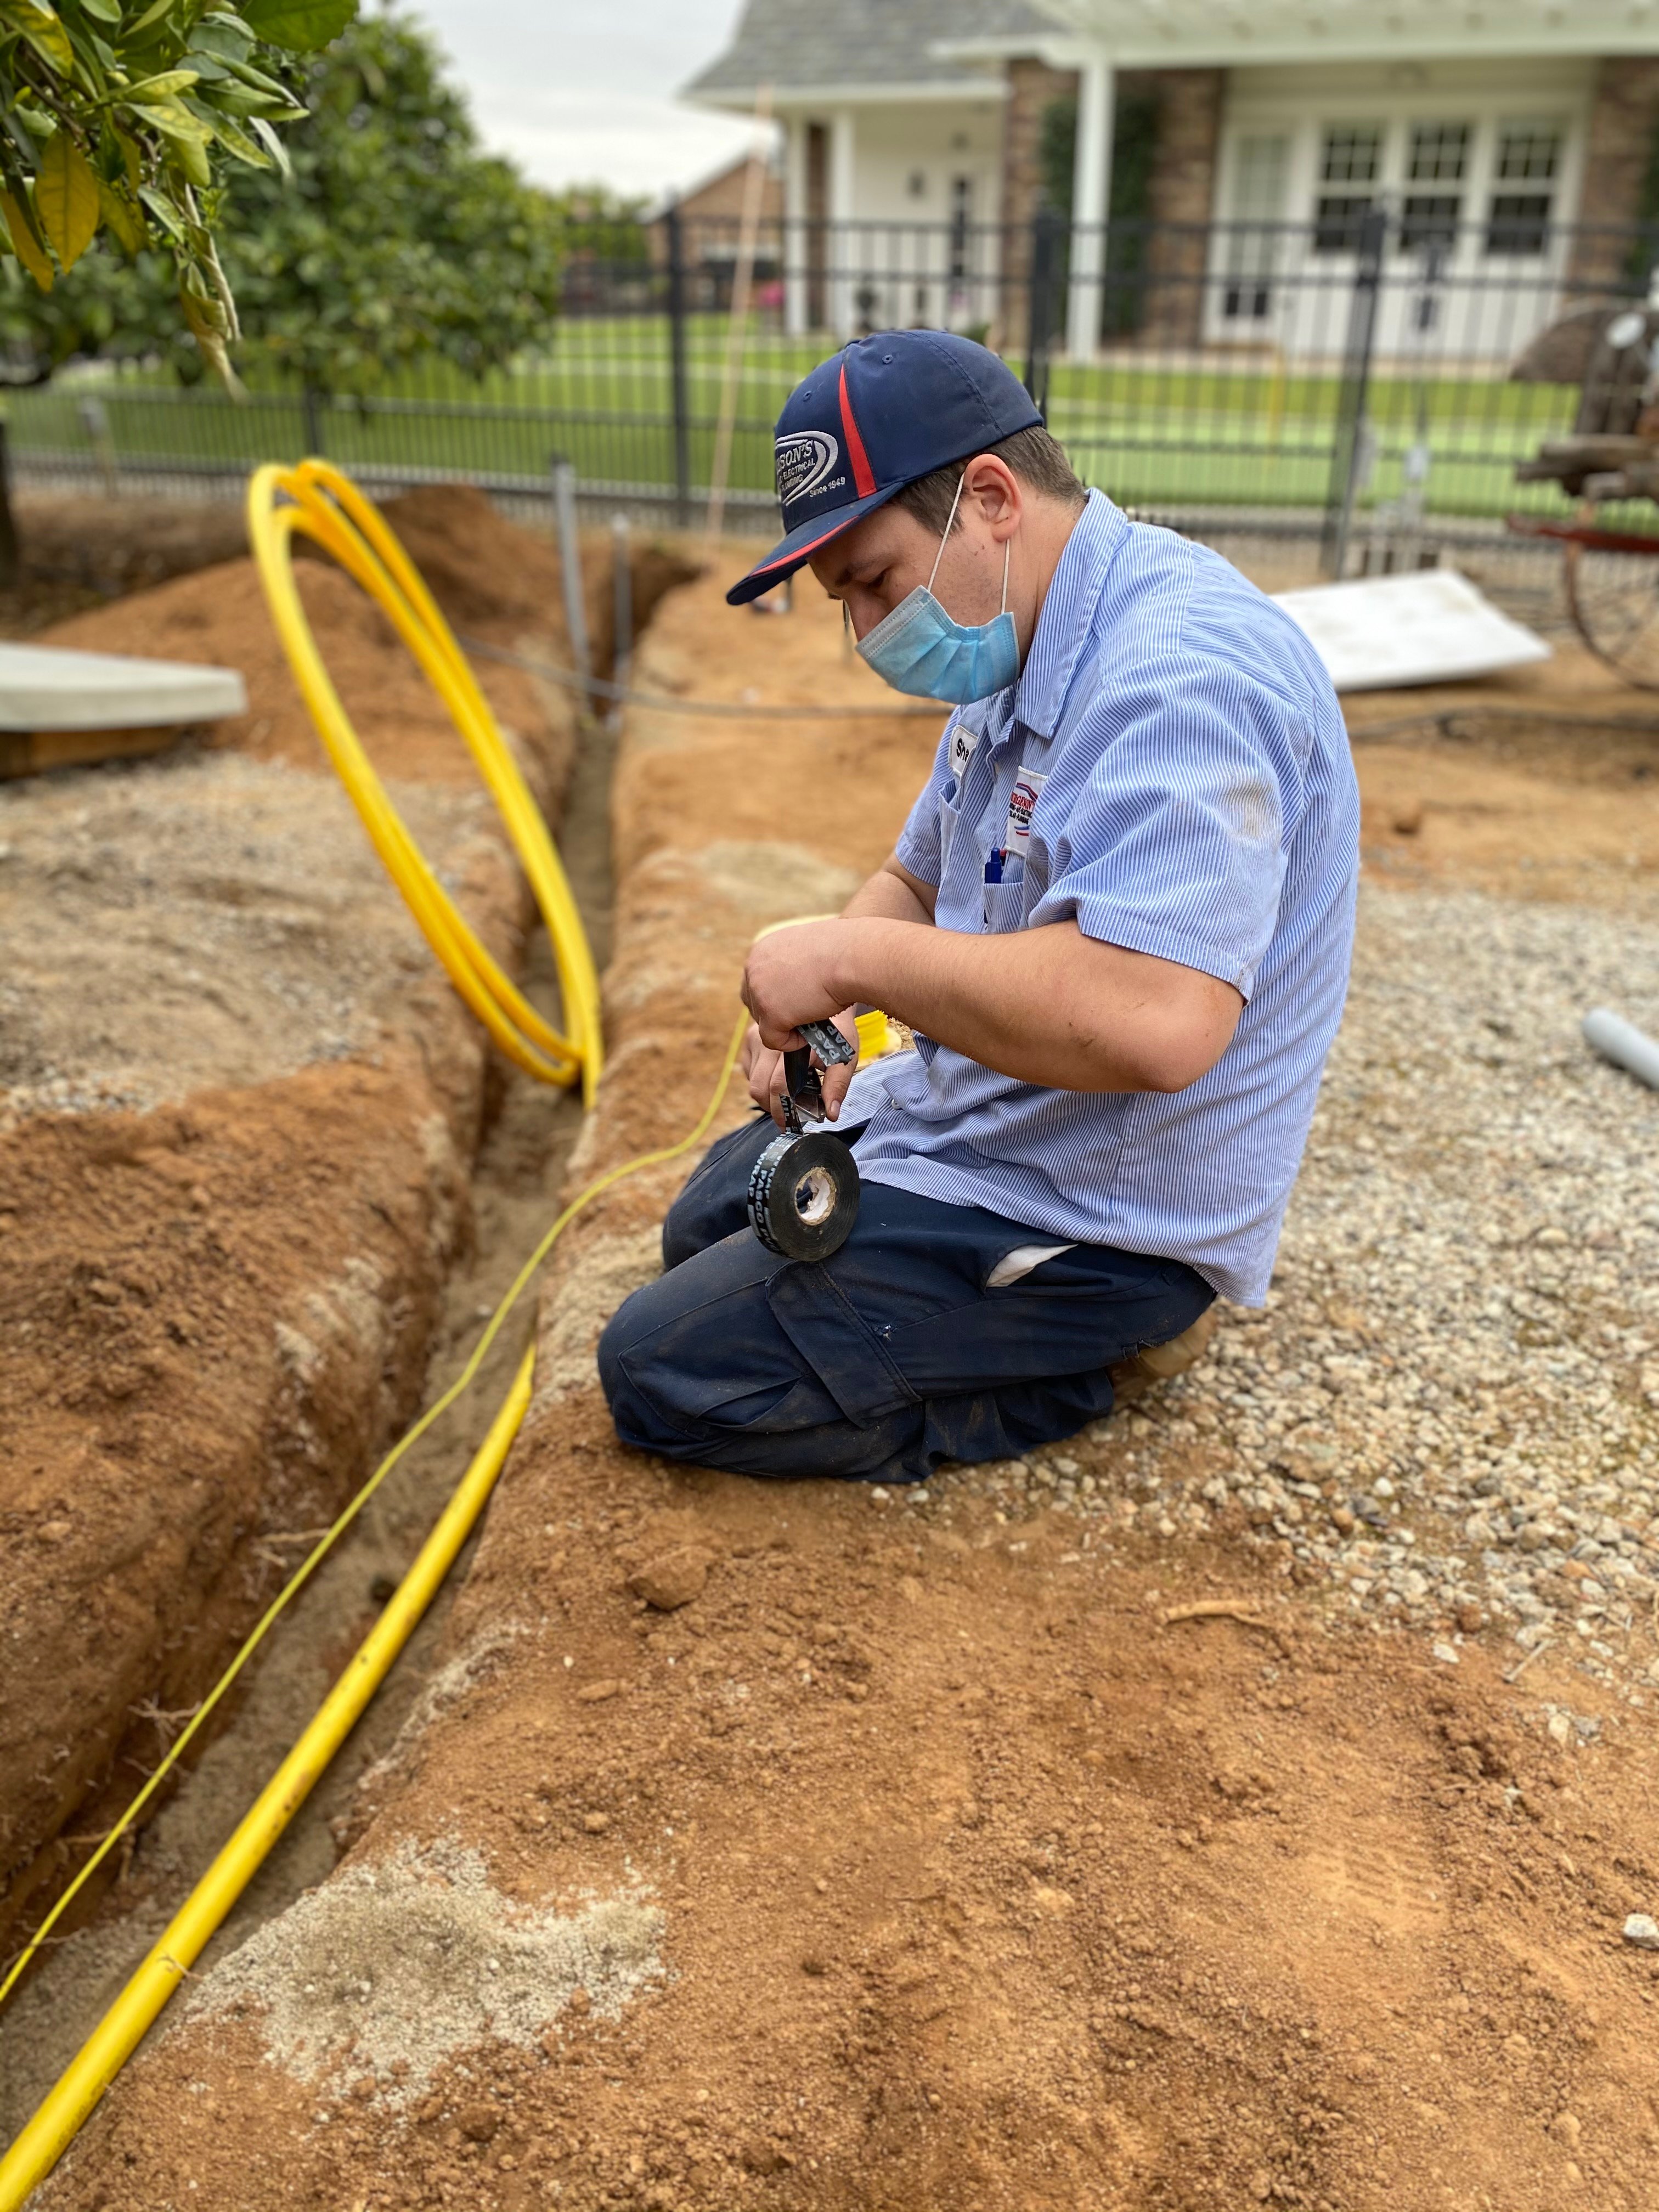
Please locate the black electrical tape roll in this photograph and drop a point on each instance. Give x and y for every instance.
(804, 1196)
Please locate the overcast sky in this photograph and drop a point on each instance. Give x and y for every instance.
(582, 89)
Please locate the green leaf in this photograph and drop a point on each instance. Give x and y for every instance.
(66, 199)
(259, 81)
(40, 25)
(205, 318)
(191, 156)
(151, 90)
(24, 243)
(171, 220)
(175, 120)
(226, 41)
(236, 140)
(106, 11)
(272, 145)
(151, 17)
(299, 26)
(121, 216)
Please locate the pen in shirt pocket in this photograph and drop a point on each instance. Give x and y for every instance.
(994, 867)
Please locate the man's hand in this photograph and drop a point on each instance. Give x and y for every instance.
(789, 977)
(763, 1070)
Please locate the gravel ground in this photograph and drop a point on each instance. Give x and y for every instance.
(1448, 1411)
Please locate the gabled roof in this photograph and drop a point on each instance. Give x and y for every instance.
(812, 46)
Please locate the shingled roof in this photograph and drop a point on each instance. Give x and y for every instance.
(804, 46)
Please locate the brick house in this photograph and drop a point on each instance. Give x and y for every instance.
(921, 138)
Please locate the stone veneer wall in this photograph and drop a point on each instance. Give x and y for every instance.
(1183, 185)
(1624, 117)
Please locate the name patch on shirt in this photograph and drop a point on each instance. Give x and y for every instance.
(965, 743)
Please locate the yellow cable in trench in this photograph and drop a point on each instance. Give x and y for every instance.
(328, 506)
(101, 2057)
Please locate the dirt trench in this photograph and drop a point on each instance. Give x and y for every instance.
(1051, 1836)
(239, 1105)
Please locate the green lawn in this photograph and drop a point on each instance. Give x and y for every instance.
(1153, 433)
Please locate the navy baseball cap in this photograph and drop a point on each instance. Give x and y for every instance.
(871, 419)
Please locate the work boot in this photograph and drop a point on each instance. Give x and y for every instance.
(1160, 1363)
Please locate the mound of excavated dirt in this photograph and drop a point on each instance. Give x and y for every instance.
(77, 551)
(485, 572)
(1057, 1836)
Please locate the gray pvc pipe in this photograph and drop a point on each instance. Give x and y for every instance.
(1616, 1039)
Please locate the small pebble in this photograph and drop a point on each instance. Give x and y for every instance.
(1642, 1929)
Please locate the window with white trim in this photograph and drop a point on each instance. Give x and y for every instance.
(1525, 175)
(1439, 157)
(1351, 160)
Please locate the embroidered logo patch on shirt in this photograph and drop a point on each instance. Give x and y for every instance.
(1022, 806)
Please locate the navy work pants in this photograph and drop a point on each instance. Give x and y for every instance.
(885, 1359)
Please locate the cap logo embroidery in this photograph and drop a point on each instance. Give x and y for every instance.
(805, 459)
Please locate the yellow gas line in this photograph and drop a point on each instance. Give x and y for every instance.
(329, 508)
(101, 2058)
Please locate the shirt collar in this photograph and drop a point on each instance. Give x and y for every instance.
(1067, 615)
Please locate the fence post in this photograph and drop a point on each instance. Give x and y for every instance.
(677, 367)
(622, 632)
(1353, 450)
(313, 407)
(1047, 245)
(570, 567)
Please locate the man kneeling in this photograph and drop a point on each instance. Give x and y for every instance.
(1119, 920)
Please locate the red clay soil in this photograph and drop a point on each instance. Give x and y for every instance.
(212, 1314)
(988, 1877)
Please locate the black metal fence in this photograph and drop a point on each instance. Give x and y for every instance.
(1365, 385)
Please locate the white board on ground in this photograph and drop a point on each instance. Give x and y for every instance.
(45, 687)
(1429, 626)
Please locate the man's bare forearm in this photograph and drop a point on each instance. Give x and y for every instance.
(1049, 1006)
(892, 894)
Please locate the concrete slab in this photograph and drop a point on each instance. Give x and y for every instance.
(1429, 626)
(45, 688)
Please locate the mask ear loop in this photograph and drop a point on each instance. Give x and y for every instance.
(1008, 548)
(949, 519)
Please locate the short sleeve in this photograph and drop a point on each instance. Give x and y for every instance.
(918, 849)
(1173, 842)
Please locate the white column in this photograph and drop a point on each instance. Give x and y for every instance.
(794, 226)
(1091, 176)
(842, 249)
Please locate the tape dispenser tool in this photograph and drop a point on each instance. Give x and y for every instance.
(803, 1188)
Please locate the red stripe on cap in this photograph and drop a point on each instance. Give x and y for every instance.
(864, 477)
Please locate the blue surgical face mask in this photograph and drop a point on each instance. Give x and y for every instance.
(919, 650)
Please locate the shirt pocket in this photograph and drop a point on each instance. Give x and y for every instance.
(1004, 906)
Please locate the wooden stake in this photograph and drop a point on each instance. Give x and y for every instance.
(737, 332)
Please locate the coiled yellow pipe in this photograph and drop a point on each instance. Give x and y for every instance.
(328, 506)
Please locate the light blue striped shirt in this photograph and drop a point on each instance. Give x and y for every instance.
(1171, 772)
